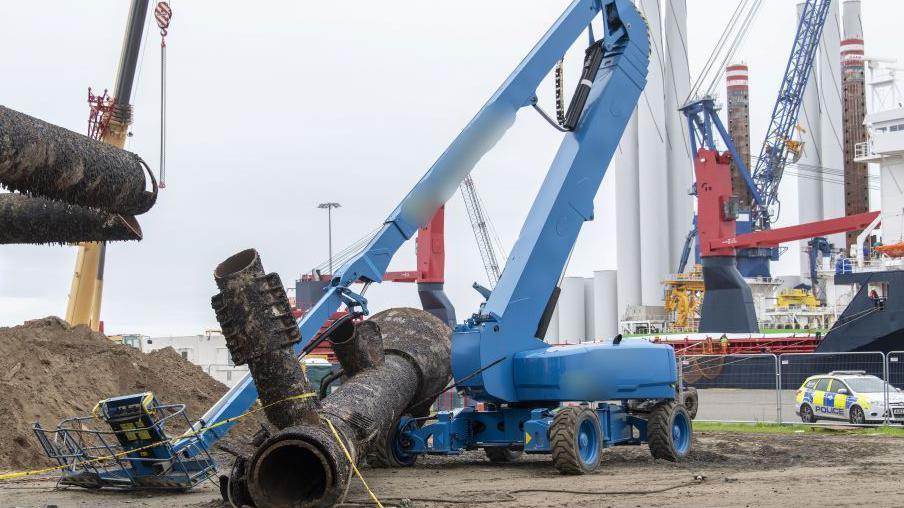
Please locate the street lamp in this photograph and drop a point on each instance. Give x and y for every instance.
(329, 218)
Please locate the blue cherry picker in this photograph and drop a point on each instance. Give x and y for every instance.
(618, 392)
(625, 390)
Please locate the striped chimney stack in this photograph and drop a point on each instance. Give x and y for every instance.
(856, 174)
(736, 77)
(852, 58)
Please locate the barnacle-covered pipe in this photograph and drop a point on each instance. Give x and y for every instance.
(256, 319)
(41, 159)
(305, 465)
(27, 219)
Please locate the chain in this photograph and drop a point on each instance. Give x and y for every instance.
(560, 92)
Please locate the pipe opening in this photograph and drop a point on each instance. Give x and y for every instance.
(290, 473)
(343, 332)
(236, 263)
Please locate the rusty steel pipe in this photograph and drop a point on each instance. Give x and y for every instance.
(304, 465)
(41, 159)
(361, 349)
(256, 319)
(26, 219)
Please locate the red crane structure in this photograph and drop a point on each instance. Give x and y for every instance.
(728, 297)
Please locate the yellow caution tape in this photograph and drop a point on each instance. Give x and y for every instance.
(352, 462)
(189, 433)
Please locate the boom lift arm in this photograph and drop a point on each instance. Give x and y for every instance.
(510, 320)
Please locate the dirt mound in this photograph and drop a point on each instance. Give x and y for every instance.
(49, 371)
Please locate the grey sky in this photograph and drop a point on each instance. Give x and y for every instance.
(277, 106)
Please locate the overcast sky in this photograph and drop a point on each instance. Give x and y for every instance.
(275, 107)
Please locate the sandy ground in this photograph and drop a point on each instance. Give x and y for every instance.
(739, 469)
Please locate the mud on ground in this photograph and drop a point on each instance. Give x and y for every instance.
(50, 371)
(740, 469)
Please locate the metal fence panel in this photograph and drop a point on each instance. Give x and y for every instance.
(795, 368)
(740, 388)
(894, 370)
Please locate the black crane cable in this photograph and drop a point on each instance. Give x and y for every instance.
(163, 13)
(510, 496)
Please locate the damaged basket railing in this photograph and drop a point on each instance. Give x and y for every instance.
(134, 452)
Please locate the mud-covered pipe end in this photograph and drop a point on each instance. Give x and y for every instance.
(343, 332)
(297, 470)
(242, 261)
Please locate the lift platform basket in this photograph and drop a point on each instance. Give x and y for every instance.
(123, 444)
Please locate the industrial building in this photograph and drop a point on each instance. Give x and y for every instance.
(207, 350)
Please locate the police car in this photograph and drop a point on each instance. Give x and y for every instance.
(848, 395)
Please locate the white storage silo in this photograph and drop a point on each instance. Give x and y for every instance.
(652, 169)
(589, 325)
(680, 169)
(571, 311)
(552, 332)
(627, 218)
(809, 183)
(605, 307)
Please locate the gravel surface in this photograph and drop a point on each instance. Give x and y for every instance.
(740, 469)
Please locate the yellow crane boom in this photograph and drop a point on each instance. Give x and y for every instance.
(87, 285)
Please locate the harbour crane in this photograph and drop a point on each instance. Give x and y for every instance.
(728, 301)
(479, 224)
(779, 146)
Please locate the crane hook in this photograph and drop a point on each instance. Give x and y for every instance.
(163, 13)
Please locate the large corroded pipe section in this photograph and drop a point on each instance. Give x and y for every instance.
(304, 465)
(41, 159)
(256, 319)
(26, 219)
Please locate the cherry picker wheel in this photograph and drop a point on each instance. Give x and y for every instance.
(576, 439)
(669, 431)
(691, 401)
(387, 450)
(501, 454)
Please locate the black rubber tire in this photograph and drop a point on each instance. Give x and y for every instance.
(502, 454)
(381, 454)
(659, 431)
(563, 440)
(691, 401)
(806, 414)
(857, 410)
